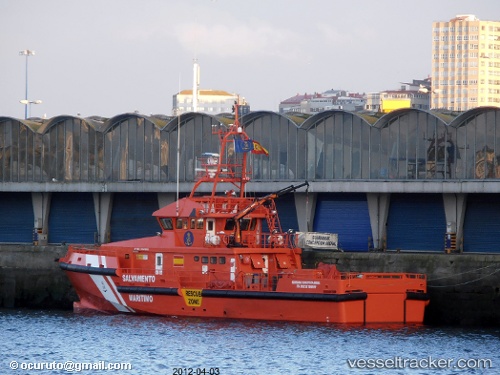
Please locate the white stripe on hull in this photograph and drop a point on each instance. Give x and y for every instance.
(106, 285)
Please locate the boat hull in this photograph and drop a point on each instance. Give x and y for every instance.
(101, 291)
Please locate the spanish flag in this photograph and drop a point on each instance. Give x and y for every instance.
(249, 145)
(258, 149)
(178, 261)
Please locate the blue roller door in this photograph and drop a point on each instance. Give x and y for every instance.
(72, 218)
(287, 212)
(16, 220)
(348, 216)
(132, 216)
(482, 223)
(416, 222)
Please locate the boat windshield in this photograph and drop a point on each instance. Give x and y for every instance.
(166, 223)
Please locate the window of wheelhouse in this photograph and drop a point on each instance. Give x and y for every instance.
(166, 223)
(229, 224)
(248, 224)
(181, 223)
(245, 224)
(199, 224)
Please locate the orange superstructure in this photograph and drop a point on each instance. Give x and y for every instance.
(223, 254)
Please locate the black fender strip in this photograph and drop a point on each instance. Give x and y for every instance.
(88, 269)
(329, 297)
(148, 290)
(417, 296)
(249, 294)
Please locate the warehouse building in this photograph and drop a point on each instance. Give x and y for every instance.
(410, 180)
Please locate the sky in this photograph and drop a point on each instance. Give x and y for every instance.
(111, 57)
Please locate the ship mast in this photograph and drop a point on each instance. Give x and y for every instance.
(231, 164)
(196, 84)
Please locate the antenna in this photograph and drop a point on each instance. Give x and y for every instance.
(178, 151)
(196, 84)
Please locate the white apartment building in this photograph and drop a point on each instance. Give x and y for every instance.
(465, 63)
(328, 100)
(209, 101)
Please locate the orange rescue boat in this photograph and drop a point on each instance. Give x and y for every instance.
(223, 254)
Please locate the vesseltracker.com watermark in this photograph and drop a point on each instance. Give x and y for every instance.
(430, 362)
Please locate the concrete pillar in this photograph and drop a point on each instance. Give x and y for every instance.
(166, 198)
(41, 211)
(378, 208)
(103, 206)
(454, 209)
(305, 205)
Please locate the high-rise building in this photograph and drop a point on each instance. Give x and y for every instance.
(465, 63)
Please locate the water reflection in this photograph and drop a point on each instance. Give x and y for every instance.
(160, 344)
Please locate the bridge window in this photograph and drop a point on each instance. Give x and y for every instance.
(244, 224)
(229, 224)
(166, 223)
(199, 224)
(248, 224)
(181, 223)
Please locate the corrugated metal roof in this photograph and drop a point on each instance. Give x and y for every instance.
(369, 117)
(297, 118)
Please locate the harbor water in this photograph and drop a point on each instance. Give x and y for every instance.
(62, 342)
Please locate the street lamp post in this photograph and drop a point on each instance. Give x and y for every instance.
(29, 102)
(26, 53)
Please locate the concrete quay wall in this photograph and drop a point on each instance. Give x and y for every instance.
(464, 289)
(30, 277)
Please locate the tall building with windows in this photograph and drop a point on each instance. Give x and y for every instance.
(465, 63)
